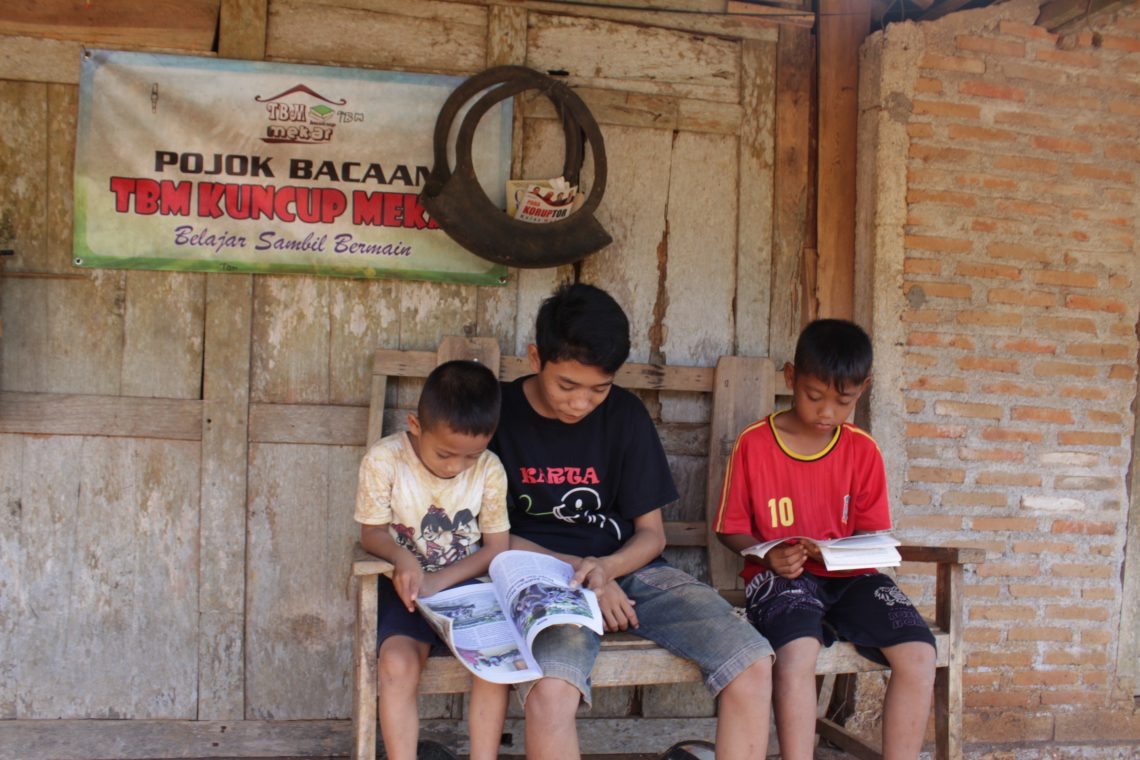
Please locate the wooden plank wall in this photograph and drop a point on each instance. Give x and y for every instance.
(178, 451)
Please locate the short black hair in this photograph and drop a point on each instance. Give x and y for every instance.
(585, 324)
(836, 351)
(463, 395)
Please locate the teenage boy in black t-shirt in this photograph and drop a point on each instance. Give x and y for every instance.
(587, 478)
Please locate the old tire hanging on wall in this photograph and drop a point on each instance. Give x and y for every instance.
(462, 209)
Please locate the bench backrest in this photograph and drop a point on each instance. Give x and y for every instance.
(742, 389)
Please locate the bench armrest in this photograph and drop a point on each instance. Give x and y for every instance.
(364, 563)
(953, 555)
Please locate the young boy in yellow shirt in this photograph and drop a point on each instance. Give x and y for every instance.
(426, 500)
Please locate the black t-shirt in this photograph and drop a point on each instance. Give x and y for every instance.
(576, 489)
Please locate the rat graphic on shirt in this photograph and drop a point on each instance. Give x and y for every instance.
(580, 506)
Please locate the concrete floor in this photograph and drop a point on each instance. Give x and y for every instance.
(821, 753)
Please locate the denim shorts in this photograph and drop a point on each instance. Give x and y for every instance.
(674, 610)
(868, 610)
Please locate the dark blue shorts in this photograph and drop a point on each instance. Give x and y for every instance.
(393, 619)
(867, 610)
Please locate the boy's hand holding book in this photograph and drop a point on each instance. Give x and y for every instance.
(616, 607)
(590, 573)
(408, 578)
(813, 549)
(787, 560)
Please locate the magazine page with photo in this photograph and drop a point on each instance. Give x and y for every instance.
(537, 593)
(489, 627)
(470, 620)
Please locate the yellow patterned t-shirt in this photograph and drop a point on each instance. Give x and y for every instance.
(440, 520)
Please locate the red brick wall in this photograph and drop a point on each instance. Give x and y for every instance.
(1019, 357)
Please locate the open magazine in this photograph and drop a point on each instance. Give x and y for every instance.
(490, 626)
(856, 552)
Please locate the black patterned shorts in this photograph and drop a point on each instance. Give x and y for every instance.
(867, 610)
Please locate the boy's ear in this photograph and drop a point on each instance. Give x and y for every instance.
(414, 426)
(789, 375)
(532, 355)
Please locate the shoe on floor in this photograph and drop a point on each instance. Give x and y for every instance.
(693, 749)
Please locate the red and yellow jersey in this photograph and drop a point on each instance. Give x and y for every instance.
(772, 492)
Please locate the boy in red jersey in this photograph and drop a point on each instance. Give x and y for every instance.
(807, 472)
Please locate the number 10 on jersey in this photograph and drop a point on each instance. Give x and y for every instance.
(782, 513)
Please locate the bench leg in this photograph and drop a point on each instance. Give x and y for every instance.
(948, 680)
(825, 688)
(948, 713)
(364, 671)
(831, 716)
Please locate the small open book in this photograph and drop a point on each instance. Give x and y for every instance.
(857, 552)
(490, 626)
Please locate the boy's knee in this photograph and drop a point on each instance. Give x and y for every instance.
(399, 668)
(552, 699)
(754, 682)
(914, 660)
(798, 657)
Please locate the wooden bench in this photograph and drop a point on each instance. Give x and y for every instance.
(742, 389)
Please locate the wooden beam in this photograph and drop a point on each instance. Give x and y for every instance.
(773, 12)
(944, 8)
(849, 742)
(754, 194)
(843, 24)
(242, 29)
(312, 424)
(221, 565)
(5, 252)
(365, 677)
(795, 61)
(633, 376)
(114, 416)
(497, 307)
(686, 533)
(173, 24)
(948, 692)
(789, 10)
(400, 363)
(35, 59)
(225, 443)
(141, 739)
(616, 737)
(744, 394)
(942, 554)
(690, 6)
(644, 110)
(720, 25)
(1062, 15)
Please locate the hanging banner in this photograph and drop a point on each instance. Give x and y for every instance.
(209, 165)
